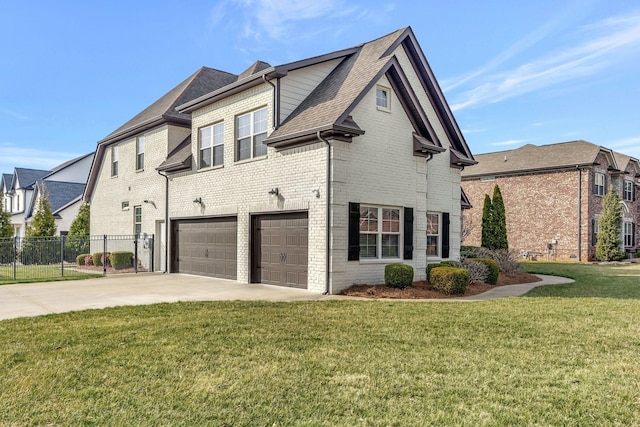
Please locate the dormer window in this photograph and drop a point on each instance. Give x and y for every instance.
(382, 98)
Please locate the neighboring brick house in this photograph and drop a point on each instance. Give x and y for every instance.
(65, 185)
(553, 197)
(313, 174)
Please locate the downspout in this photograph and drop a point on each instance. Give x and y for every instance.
(276, 112)
(166, 221)
(328, 289)
(579, 214)
(426, 195)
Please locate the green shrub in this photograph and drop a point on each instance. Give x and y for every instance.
(494, 270)
(80, 259)
(120, 260)
(450, 280)
(398, 275)
(469, 251)
(432, 266)
(99, 259)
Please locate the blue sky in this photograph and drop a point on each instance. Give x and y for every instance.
(514, 72)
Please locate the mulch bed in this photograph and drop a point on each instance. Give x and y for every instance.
(423, 289)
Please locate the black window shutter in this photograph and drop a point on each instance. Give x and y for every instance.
(445, 234)
(593, 232)
(408, 233)
(354, 232)
(633, 234)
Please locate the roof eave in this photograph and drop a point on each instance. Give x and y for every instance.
(467, 176)
(146, 125)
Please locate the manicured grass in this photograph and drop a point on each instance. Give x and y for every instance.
(40, 273)
(619, 280)
(518, 361)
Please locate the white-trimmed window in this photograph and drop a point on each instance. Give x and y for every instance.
(137, 220)
(598, 187)
(140, 153)
(627, 232)
(382, 98)
(125, 206)
(433, 234)
(251, 130)
(628, 190)
(114, 161)
(211, 146)
(379, 232)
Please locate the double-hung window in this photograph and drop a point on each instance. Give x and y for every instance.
(137, 220)
(379, 232)
(382, 98)
(628, 190)
(114, 161)
(251, 130)
(211, 145)
(628, 234)
(433, 234)
(140, 153)
(598, 187)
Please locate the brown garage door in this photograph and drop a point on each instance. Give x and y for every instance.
(280, 249)
(206, 247)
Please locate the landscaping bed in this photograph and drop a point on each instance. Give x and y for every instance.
(423, 289)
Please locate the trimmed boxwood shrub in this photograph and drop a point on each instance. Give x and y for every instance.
(398, 275)
(441, 264)
(120, 260)
(494, 270)
(80, 259)
(450, 280)
(98, 258)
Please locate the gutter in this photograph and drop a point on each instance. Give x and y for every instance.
(328, 289)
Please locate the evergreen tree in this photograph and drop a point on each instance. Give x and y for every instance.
(610, 228)
(499, 219)
(6, 229)
(487, 223)
(43, 223)
(80, 225)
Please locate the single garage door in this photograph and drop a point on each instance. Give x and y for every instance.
(206, 247)
(280, 249)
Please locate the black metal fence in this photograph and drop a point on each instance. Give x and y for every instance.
(45, 258)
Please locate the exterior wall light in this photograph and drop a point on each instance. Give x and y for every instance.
(274, 192)
(198, 201)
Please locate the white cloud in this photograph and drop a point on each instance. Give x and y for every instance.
(607, 43)
(12, 156)
(508, 142)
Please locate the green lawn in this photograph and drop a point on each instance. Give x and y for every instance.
(39, 273)
(518, 361)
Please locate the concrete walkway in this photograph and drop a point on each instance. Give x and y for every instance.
(35, 299)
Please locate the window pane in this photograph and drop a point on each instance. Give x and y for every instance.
(260, 121)
(244, 148)
(432, 245)
(368, 246)
(259, 149)
(205, 137)
(205, 158)
(140, 161)
(390, 220)
(381, 98)
(218, 134)
(390, 246)
(218, 155)
(244, 126)
(368, 219)
(432, 223)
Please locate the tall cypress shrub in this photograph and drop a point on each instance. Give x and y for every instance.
(6, 229)
(499, 220)
(610, 228)
(487, 223)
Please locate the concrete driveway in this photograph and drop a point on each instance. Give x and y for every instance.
(34, 299)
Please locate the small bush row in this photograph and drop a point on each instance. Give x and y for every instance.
(117, 260)
(450, 280)
(398, 275)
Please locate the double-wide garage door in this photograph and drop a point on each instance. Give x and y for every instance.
(206, 247)
(280, 249)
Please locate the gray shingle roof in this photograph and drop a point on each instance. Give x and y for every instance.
(28, 177)
(531, 157)
(179, 158)
(201, 82)
(61, 193)
(6, 181)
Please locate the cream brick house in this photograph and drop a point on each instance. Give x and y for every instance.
(312, 174)
(553, 196)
